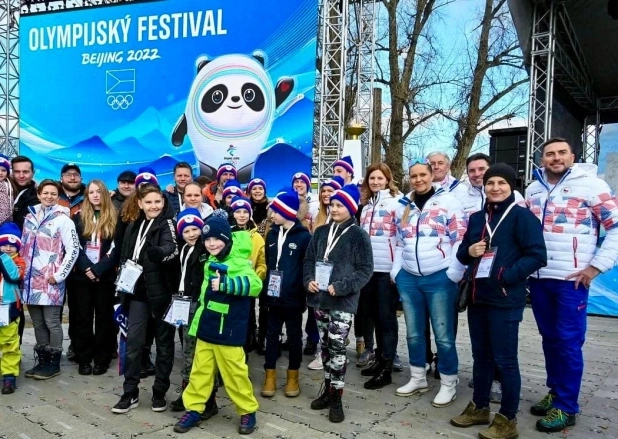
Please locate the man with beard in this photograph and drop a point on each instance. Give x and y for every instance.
(73, 189)
(571, 202)
(25, 197)
(125, 188)
(71, 197)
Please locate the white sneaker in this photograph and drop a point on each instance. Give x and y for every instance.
(316, 364)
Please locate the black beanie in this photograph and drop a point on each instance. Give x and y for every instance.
(501, 170)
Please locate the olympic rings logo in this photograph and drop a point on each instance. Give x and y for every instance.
(119, 102)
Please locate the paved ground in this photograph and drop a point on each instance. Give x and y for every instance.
(73, 406)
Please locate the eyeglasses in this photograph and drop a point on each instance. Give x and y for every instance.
(71, 175)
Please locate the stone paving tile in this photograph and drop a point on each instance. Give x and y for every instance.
(73, 406)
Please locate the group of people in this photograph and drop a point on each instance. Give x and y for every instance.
(348, 258)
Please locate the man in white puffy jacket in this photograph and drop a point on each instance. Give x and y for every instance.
(571, 202)
(471, 194)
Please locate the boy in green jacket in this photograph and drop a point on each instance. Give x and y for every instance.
(220, 325)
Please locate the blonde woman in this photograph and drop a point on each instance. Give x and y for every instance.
(94, 275)
(327, 189)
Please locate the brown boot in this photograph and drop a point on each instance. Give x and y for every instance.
(270, 383)
(292, 386)
(471, 416)
(500, 428)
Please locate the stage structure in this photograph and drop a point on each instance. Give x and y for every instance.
(579, 84)
(334, 47)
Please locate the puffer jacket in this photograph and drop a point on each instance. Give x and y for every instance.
(449, 183)
(352, 266)
(222, 316)
(378, 220)
(472, 198)
(156, 283)
(258, 253)
(49, 247)
(12, 269)
(571, 213)
(428, 242)
(204, 209)
(73, 202)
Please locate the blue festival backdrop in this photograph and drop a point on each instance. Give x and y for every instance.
(159, 82)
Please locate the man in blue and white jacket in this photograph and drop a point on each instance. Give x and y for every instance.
(571, 202)
(471, 194)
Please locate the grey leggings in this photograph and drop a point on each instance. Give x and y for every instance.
(47, 325)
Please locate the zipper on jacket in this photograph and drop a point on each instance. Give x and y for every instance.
(390, 247)
(373, 212)
(500, 279)
(440, 248)
(418, 262)
(575, 251)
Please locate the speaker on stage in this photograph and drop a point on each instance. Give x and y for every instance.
(508, 145)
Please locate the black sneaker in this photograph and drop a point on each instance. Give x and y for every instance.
(159, 403)
(126, 403)
(85, 369)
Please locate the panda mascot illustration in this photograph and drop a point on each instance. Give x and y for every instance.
(230, 111)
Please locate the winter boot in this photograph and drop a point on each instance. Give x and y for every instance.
(500, 428)
(335, 412)
(292, 386)
(372, 370)
(323, 400)
(471, 416)
(382, 378)
(40, 356)
(52, 364)
(211, 407)
(177, 405)
(448, 391)
(270, 383)
(417, 383)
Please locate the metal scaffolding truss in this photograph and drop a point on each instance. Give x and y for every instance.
(330, 85)
(365, 46)
(335, 38)
(556, 56)
(9, 77)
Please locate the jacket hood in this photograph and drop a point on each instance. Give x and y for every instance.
(242, 245)
(49, 211)
(295, 228)
(382, 195)
(578, 170)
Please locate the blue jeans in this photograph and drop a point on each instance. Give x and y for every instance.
(437, 295)
(494, 334)
(560, 313)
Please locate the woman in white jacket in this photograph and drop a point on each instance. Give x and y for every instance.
(380, 197)
(50, 248)
(429, 230)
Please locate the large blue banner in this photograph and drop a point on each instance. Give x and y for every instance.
(154, 83)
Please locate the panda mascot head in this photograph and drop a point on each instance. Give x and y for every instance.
(230, 111)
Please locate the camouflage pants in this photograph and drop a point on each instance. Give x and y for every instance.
(334, 327)
(189, 342)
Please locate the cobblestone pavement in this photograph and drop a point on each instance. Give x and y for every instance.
(74, 406)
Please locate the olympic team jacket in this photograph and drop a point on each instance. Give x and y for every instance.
(378, 220)
(449, 183)
(50, 247)
(222, 316)
(429, 241)
(472, 199)
(571, 213)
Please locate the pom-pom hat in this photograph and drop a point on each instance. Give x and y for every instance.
(345, 163)
(336, 182)
(146, 175)
(226, 167)
(189, 217)
(217, 227)
(5, 163)
(303, 177)
(10, 235)
(256, 182)
(348, 196)
(232, 187)
(241, 203)
(286, 205)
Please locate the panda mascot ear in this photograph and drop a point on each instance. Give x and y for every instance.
(201, 62)
(260, 56)
(283, 89)
(180, 131)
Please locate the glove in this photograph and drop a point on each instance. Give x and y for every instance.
(155, 254)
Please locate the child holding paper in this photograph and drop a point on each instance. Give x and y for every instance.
(220, 325)
(189, 228)
(12, 268)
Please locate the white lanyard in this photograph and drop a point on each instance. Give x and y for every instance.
(94, 239)
(280, 242)
(141, 239)
(183, 267)
(492, 232)
(332, 242)
(19, 196)
(179, 199)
